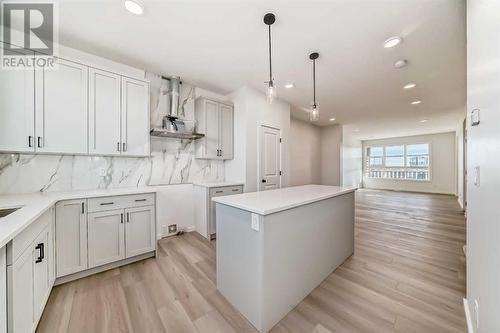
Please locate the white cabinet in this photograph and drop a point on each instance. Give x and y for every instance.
(17, 109)
(106, 241)
(204, 208)
(104, 112)
(3, 291)
(29, 274)
(73, 109)
(215, 120)
(135, 118)
(120, 227)
(71, 237)
(139, 230)
(61, 108)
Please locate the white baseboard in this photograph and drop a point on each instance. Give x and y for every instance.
(468, 318)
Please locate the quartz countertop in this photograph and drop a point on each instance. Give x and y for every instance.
(35, 204)
(218, 184)
(273, 201)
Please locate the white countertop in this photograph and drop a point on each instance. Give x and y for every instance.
(35, 204)
(218, 184)
(273, 201)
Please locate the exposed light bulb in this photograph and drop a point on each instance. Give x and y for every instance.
(314, 114)
(271, 92)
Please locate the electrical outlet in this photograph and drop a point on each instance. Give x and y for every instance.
(476, 312)
(102, 172)
(172, 229)
(255, 222)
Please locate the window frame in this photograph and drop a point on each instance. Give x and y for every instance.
(405, 167)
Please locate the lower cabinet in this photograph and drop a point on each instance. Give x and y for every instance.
(139, 230)
(29, 276)
(106, 237)
(71, 236)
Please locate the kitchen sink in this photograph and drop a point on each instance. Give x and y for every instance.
(7, 211)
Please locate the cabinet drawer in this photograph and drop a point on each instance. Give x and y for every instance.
(227, 190)
(105, 203)
(139, 200)
(121, 202)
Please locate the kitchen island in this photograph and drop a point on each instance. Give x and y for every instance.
(274, 247)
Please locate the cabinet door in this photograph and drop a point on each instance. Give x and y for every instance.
(226, 131)
(23, 315)
(61, 108)
(106, 241)
(71, 237)
(135, 117)
(41, 286)
(17, 109)
(211, 139)
(104, 112)
(139, 230)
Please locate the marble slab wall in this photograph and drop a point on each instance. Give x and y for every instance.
(172, 161)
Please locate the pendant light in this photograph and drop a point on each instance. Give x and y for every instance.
(314, 114)
(269, 19)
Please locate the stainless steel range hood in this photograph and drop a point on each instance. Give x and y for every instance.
(173, 126)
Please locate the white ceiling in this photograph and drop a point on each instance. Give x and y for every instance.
(222, 45)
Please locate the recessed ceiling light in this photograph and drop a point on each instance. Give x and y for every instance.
(409, 85)
(289, 85)
(401, 63)
(332, 119)
(424, 120)
(416, 102)
(134, 7)
(393, 41)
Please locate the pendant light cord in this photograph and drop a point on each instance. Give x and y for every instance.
(314, 82)
(270, 57)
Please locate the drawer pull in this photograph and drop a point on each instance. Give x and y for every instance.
(140, 200)
(218, 191)
(106, 203)
(40, 247)
(236, 189)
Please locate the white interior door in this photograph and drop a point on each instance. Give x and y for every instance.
(104, 112)
(135, 117)
(61, 108)
(270, 158)
(17, 109)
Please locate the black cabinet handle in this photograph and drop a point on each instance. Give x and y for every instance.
(218, 191)
(140, 200)
(39, 142)
(121, 218)
(264, 181)
(39, 247)
(235, 190)
(30, 141)
(128, 217)
(83, 207)
(106, 203)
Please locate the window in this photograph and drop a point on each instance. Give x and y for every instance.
(409, 162)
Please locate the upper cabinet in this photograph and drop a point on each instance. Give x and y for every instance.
(135, 117)
(104, 112)
(215, 120)
(73, 109)
(61, 108)
(17, 109)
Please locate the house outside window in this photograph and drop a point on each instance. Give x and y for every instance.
(400, 162)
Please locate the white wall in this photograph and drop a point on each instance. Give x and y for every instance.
(352, 160)
(443, 165)
(174, 205)
(331, 164)
(251, 111)
(483, 158)
(305, 153)
(460, 162)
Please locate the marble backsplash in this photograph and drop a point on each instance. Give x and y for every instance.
(172, 161)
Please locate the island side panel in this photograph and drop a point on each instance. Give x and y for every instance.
(302, 246)
(239, 261)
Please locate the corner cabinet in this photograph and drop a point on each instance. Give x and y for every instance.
(215, 120)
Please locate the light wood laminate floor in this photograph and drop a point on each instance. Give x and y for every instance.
(407, 275)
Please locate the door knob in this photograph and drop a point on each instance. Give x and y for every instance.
(264, 181)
